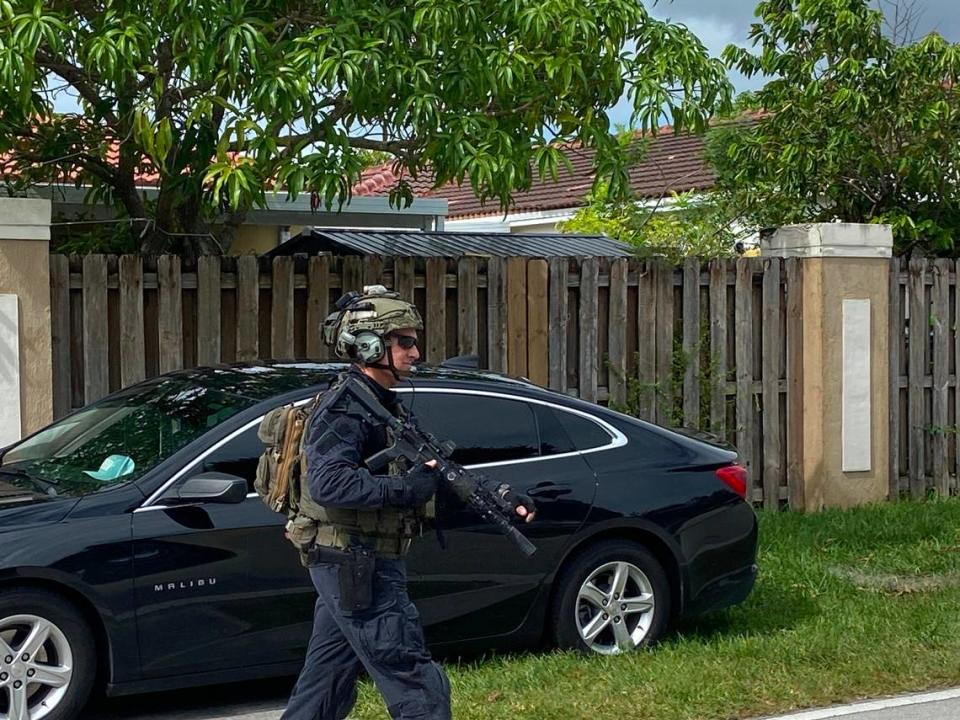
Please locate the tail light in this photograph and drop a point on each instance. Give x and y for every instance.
(735, 477)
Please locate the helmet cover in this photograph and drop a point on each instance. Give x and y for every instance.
(376, 310)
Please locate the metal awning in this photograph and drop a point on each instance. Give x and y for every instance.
(314, 241)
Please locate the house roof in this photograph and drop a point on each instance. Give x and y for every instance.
(145, 173)
(447, 244)
(672, 163)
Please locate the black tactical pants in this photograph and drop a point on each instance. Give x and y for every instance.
(386, 640)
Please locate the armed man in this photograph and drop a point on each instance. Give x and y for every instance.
(357, 526)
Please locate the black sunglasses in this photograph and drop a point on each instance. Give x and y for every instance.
(406, 341)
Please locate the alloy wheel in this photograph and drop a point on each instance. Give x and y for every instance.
(615, 607)
(36, 665)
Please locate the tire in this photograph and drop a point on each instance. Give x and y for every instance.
(55, 680)
(586, 615)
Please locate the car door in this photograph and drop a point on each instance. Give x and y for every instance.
(481, 585)
(218, 586)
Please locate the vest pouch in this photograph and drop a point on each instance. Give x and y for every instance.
(372, 523)
(343, 517)
(262, 483)
(302, 532)
(301, 501)
(273, 425)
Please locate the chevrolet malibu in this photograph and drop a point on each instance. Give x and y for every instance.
(134, 552)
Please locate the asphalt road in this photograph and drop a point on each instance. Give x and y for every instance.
(265, 701)
(942, 705)
(260, 700)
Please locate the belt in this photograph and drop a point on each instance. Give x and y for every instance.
(383, 546)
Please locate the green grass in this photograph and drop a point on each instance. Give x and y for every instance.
(849, 604)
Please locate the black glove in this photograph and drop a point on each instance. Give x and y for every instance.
(516, 500)
(415, 488)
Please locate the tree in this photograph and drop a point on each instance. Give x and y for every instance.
(683, 225)
(853, 126)
(226, 100)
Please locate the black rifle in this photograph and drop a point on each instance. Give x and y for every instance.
(417, 447)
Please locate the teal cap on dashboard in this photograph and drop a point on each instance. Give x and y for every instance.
(112, 467)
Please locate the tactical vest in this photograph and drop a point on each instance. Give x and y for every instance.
(387, 531)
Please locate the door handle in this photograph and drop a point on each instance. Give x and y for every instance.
(549, 491)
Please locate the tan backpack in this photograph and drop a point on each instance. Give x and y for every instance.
(282, 431)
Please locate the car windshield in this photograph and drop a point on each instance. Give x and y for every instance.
(119, 438)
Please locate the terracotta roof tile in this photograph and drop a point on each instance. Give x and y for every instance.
(673, 163)
(380, 179)
(145, 175)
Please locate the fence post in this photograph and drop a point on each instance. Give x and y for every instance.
(843, 383)
(26, 365)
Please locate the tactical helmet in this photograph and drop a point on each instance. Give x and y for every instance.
(363, 321)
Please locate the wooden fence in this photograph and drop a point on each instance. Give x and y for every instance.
(924, 401)
(709, 346)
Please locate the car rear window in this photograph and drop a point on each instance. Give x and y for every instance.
(554, 438)
(584, 433)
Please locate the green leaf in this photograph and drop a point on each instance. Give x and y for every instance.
(213, 92)
(855, 126)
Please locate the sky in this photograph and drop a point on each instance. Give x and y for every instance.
(720, 22)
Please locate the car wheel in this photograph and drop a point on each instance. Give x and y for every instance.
(47, 657)
(614, 597)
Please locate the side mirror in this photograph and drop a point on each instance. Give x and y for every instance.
(213, 487)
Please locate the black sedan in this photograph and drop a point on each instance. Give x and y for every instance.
(133, 551)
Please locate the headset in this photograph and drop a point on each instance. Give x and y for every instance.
(369, 345)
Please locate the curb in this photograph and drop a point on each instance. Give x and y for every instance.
(870, 706)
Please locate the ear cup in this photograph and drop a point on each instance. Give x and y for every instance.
(370, 347)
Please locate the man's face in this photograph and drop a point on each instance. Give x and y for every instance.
(404, 348)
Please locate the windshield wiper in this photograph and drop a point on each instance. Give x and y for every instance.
(45, 486)
(23, 497)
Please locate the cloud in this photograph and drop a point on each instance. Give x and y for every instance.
(716, 32)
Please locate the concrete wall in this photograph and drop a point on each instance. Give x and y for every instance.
(827, 283)
(255, 239)
(25, 273)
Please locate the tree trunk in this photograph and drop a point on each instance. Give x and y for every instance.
(158, 241)
(228, 231)
(132, 201)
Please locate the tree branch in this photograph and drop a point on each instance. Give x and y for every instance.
(96, 166)
(90, 163)
(73, 75)
(339, 105)
(165, 71)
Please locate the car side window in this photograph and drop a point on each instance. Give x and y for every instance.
(484, 429)
(584, 433)
(238, 456)
(554, 438)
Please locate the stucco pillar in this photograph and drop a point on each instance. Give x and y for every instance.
(841, 400)
(25, 333)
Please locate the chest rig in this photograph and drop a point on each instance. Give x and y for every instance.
(384, 531)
